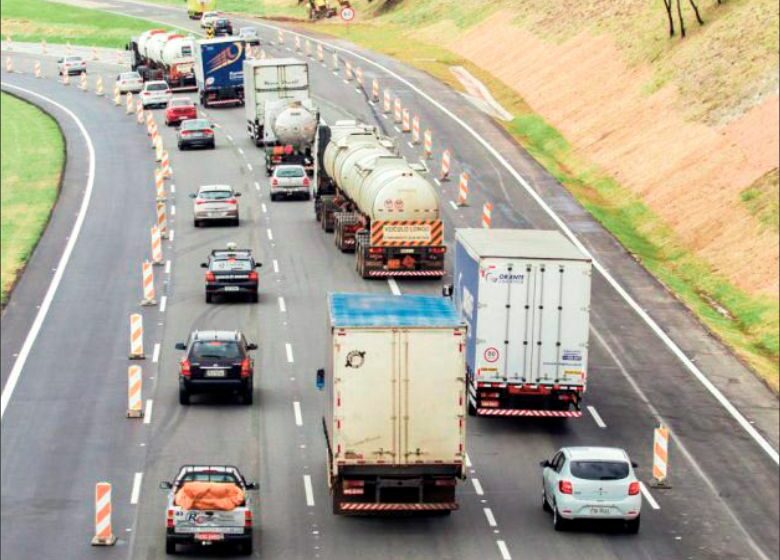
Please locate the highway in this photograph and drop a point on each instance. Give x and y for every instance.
(64, 427)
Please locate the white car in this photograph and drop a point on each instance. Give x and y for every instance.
(215, 202)
(208, 19)
(591, 483)
(129, 82)
(249, 35)
(156, 94)
(71, 65)
(290, 181)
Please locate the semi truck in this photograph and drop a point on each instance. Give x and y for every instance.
(164, 55)
(395, 412)
(379, 205)
(281, 116)
(219, 71)
(196, 8)
(525, 296)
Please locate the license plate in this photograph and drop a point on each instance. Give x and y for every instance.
(600, 511)
(231, 288)
(197, 135)
(216, 214)
(215, 373)
(406, 251)
(209, 536)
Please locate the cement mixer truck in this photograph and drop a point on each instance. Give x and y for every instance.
(162, 55)
(379, 205)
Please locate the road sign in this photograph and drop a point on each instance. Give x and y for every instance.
(347, 14)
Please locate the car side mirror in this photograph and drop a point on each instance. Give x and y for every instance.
(446, 290)
(544, 464)
(251, 346)
(165, 485)
(181, 346)
(193, 195)
(252, 485)
(634, 464)
(237, 194)
(320, 379)
(258, 265)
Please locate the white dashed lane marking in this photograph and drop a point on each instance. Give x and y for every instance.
(167, 267)
(648, 496)
(308, 489)
(503, 550)
(394, 286)
(490, 517)
(270, 234)
(173, 209)
(596, 417)
(454, 206)
(477, 486)
(163, 303)
(156, 353)
(288, 350)
(148, 411)
(297, 413)
(282, 305)
(136, 492)
(276, 266)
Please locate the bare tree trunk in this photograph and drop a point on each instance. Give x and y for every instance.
(668, 7)
(682, 21)
(696, 11)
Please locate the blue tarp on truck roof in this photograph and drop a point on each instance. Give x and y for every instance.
(385, 310)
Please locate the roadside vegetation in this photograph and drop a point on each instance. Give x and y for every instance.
(34, 20)
(33, 156)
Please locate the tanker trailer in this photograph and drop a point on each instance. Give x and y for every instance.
(162, 55)
(383, 209)
(291, 137)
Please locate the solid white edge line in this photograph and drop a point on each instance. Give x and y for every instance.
(596, 417)
(502, 548)
(671, 344)
(163, 303)
(477, 486)
(288, 350)
(394, 286)
(156, 353)
(297, 413)
(454, 206)
(148, 411)
(491, 519)
(282, 305)
(308, 489)
(40, 317)
(270, 234)
(135, 494)
(648, 496)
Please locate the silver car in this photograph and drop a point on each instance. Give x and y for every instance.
(71, 65)
(156, 94)
(215, 202)
(290, 181)
(129, 82)
(591, 483)
(249, 35)
(208, 19)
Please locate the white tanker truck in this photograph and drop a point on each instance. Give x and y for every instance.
(162, 55)
(379, 205)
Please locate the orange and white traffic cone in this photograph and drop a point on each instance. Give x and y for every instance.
(117, 97)
(428, 144)
(359, 75)
(387, 102)
(68, 48)
(375, 90)
(297, 43)
(135, 381)
(94, 54)
(162, 219)
(37, 69)
(158, 150)
(157, 255)
(154, 136)
(397, 110)
(148, 284)
(9, 43)
(129, 102)
(348, 70)
(9, 64)
(139, 111)
(43, 46)
(104, 535)
(463, 189)
(320, 52)
(445, 166)
(159, 184)
(149, 121)
(406, 125)
(83, 85)
(280, 36)
(99, 86)
(335, 59)
(65, 79)
(487, 215)
(415, 130)
(308, 47)
(166, 165)
(660, 456)
(136, 337)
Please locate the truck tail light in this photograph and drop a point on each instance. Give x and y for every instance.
(445, 482)
(246, 368)
(253, 276)
(210, 277)
(565, 487)
(169, 518)
(438, 250)
(488, 404)
(633, 488)
(274, 182)
(353, 487)
(184, 368)
(376, 250)
(288, 149)
(247, 518)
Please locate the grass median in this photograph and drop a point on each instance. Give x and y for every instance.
(33, 155)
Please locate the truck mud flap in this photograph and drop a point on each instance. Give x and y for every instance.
(529, 413)
(352, 507)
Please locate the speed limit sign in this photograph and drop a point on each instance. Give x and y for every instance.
(347, 13)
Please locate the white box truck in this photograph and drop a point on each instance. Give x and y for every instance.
(525, 296)
(395, 420)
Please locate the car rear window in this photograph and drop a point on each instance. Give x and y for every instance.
(209, 477)
(289, 172)
(156, 87)
(215, 195)
(599, 470)
(223, 265)
(74, 59)
(195, 124)
(130, 76)
(215, 350)
(180, 102)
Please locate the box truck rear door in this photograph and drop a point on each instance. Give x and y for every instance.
(490, 354)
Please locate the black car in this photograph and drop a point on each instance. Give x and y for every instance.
(216, 361)
(222, 27)
(195, 133)
(231, 272)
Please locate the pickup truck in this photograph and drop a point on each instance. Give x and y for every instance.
(209, 505)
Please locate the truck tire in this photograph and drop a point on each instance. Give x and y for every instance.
(170, 546)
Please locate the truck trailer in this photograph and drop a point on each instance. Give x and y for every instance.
(395, 413)
(379, 205)
(525, 296)
(162, 55)
(219, 71)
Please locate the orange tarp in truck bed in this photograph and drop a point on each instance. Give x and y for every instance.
(209, 495)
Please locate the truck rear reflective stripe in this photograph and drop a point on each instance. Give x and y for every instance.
(399, 273)
(534, 413)
(398, 507)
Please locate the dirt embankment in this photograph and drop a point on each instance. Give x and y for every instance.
(691, 174)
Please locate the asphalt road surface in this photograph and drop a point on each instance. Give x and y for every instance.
(64, 427)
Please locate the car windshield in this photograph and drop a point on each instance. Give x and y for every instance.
(195, 124)
(223, 265)
(73, 59)
(216, 349)
(289, 172)
(180, 102)
(599, 470)
(130, 76)
(215, 195)
(156, 87)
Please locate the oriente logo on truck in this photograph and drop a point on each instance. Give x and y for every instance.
(503, 277)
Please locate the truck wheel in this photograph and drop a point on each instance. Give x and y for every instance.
(209, 297)
(184, 397)
(170, 546)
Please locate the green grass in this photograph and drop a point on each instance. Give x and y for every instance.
(33, 20)
(762, 200)
(33, 155)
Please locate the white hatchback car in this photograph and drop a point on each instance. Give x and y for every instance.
(591, 483)
(290, 181)
(129, 81)
(215, 202)
(71, 65)
(156, 94)
(208, 19)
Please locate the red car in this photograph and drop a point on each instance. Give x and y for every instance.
(179, 109)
